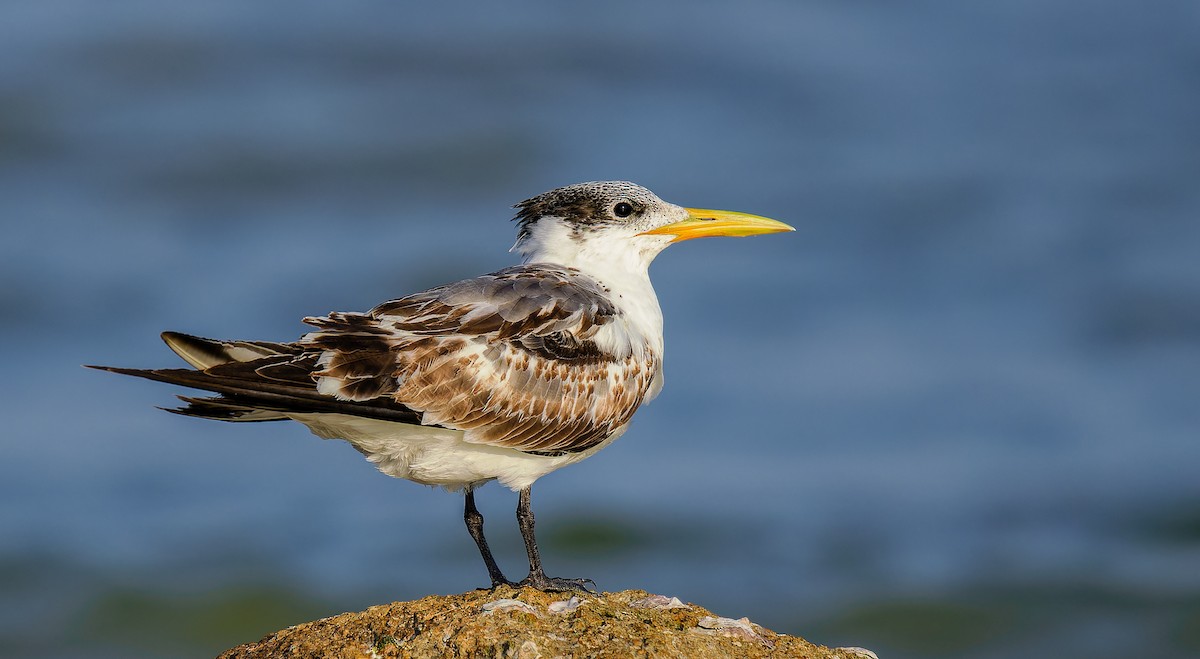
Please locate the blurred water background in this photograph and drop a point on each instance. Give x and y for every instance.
(954, 415)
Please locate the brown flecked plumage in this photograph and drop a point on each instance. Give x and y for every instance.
(523, 335)
(506, 376)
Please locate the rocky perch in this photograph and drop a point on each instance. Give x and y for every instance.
(527, 623)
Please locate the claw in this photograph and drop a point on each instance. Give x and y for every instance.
(559, 584)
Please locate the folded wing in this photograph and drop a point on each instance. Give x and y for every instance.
(532, 358)
(512, 359)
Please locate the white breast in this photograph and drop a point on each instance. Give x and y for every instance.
(436, 456)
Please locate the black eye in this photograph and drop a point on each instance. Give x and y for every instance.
(623, 209)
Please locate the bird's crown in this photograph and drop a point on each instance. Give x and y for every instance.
(593, 204)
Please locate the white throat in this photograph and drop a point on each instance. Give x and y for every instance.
(619, 259)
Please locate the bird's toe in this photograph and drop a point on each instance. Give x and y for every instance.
(559, 584)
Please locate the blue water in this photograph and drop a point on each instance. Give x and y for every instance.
(954, 414)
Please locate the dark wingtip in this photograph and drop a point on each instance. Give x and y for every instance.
(136, 372)
(169, 334)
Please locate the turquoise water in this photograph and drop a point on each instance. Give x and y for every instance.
(953, 415)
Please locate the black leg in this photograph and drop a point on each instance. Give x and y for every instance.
(475, 528)
(537, 577)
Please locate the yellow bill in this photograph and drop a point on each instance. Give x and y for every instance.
(702, 223)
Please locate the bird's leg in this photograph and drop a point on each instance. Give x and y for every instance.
(475, 527)
(537, 577)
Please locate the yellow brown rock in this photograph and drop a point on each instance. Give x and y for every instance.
(526, 623)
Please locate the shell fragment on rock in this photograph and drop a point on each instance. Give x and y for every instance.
(862, 652)
(510, 605)
(659, 602)
(529, 650)
(741, 628)
(565, 606)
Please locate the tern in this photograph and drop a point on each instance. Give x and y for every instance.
(504, 377)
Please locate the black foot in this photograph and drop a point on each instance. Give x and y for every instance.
(537, 578)
(558, 584)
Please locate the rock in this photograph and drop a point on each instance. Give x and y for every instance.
(526, 623)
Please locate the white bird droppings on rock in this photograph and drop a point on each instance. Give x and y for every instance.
(862, 652)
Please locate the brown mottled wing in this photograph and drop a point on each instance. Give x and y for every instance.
(510, 358)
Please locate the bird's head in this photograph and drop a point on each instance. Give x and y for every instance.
(618, 223)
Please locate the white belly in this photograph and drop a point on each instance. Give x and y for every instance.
(436, 456)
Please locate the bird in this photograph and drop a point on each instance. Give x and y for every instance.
(503, 377)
